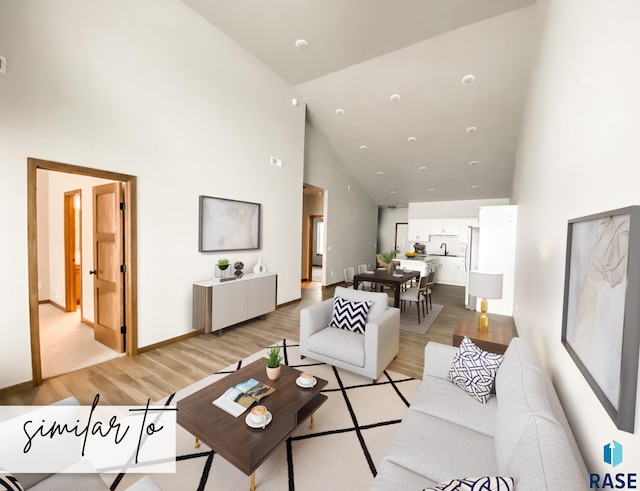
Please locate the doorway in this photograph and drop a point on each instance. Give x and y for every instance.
(314, 237)
(125, 313)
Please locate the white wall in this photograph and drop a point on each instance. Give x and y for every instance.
(578, 155)
(387, 220)
(350, 217)
(43, 235)
(146, 88)
(452, 209)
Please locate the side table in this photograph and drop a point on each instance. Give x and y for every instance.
(495, 340)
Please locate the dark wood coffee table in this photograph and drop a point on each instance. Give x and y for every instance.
(245, 447)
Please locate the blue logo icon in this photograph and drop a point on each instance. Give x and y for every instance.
(613, 453)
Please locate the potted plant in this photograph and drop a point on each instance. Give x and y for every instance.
(387, 259)
(273, 362)
(223, 264)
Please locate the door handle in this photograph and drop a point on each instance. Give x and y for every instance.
(93, 271)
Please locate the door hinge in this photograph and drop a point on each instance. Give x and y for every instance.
(122, 206)
(123, 268)
(123, 329)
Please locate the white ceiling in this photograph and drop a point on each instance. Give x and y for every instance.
(361, 52)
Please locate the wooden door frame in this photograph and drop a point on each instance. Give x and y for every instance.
(310, 246)
(131, 252)
(69, 251)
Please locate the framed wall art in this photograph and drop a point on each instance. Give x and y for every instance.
(228, 225)
(601, 313)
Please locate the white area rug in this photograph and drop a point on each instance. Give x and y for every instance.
(353, 430)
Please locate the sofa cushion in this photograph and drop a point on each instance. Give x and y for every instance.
(474, 370)
(486, 483)
(85, 482)
(338, 344)
(379, 301)
(9, 482)
(349, 315)
(530, 444)
(440, 450)
(394, 477)
(519, 354)
(542, 459)
(439, 397)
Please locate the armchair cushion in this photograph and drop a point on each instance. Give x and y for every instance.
(379, 301)
(349, 315)
(339, 344)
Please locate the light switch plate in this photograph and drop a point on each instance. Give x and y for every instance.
(3, 64)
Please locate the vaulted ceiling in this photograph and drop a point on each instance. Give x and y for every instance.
(442, 138)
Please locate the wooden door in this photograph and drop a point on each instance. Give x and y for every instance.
(108, 266)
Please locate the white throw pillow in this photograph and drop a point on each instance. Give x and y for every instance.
(476, 484)
(474, 370)
(349, 315)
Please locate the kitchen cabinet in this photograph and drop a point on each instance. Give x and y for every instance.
(420, 229)
(450, 270)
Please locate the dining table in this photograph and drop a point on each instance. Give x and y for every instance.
(395, 279)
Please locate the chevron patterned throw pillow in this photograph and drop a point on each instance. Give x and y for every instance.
(476, 484)
(9, 482)
(474, 370)
(349, 315)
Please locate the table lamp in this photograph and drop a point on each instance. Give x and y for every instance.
(485, 284)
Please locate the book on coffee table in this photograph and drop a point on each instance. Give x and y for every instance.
(237, 399)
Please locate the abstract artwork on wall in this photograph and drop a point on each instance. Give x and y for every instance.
(228, 225)
(601, 317)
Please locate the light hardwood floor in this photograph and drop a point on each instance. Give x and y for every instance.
(162, 371)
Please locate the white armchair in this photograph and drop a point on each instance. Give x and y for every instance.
(367, 354)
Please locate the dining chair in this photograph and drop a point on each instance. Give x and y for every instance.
(415, 295)
(427, 293)
(366, 285)
(349, 273)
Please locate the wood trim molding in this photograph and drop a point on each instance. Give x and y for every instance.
(53, 304)
(288, 303)
(167, 342)
(131, 248)
(15, 388)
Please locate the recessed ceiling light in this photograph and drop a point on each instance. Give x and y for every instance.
(392, 192)
(363, 147)
(423, 168)
(411, 139)
(301, 43)
(380, 173)
(395, 98)
(475, 186)
(339, 111)
(471, 129)
(473, 162)
(468, 79)
(431, 189)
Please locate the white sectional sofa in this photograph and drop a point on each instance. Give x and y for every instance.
(521, 432)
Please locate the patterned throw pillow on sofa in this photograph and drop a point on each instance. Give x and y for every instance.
(476, 484)
(474, 370)
(349, 315)
(9, 482)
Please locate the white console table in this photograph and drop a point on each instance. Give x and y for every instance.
(217, 304)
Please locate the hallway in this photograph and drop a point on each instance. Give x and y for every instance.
(66, 344)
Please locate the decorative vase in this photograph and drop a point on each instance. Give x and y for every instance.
(273, 373)
(259, 268)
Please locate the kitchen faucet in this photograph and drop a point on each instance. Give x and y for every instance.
(445, 248)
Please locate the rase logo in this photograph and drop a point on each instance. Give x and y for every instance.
(612, 455)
